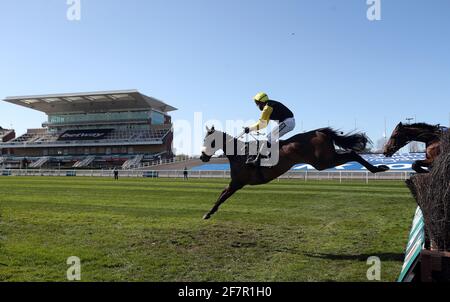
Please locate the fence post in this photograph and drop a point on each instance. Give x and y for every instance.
(340, 177)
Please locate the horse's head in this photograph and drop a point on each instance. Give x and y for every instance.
(211, 143)
(397, 140)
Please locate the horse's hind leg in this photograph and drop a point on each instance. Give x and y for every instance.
(230, 190)
(342, 158)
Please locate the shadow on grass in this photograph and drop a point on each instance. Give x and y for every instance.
(360, 257)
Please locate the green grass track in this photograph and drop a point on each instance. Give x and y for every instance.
(152, 230)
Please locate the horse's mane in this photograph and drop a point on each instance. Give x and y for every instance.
(432, 128)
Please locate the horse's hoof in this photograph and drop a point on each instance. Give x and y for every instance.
(206, 216)
(383, 168)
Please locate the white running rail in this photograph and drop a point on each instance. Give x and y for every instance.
(339, 176)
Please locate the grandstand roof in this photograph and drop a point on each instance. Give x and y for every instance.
(102, 101)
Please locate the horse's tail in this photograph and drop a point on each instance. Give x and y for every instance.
(356, 142)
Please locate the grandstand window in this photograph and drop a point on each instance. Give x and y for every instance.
(157, 118)
(97, 117)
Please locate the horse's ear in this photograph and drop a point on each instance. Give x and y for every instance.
(212, 129)
(207, 129)
(400, 124)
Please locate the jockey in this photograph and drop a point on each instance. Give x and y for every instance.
(275, 111)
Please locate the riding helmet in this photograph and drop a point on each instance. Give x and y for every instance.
(261, 97)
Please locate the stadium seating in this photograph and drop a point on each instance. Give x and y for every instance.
(23, 138)
(113, 136)
(6, 135)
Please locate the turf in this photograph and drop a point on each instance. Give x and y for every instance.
(151, 230)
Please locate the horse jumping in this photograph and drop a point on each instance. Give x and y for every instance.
(316, 148)
(420, 132)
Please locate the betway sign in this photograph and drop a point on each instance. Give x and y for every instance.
(76, 135)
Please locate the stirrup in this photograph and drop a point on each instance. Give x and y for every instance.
(254, 162)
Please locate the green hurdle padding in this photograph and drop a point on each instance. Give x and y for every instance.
(416, 243)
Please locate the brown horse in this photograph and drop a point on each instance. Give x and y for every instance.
(420, 132)
(316, 148)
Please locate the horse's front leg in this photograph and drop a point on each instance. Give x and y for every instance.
(230, 190)
(417, 166)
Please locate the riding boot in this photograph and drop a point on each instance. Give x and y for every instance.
(257, 161)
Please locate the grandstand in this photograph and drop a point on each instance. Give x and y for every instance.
(92, 130)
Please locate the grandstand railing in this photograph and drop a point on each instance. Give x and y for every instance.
(84, 162)
(166, 161)
(40, 162)
(133, 162)
(340, 176)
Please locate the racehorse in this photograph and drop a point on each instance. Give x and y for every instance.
(316, 148)
(420, 132)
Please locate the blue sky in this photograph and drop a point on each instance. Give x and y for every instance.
(323, 58)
